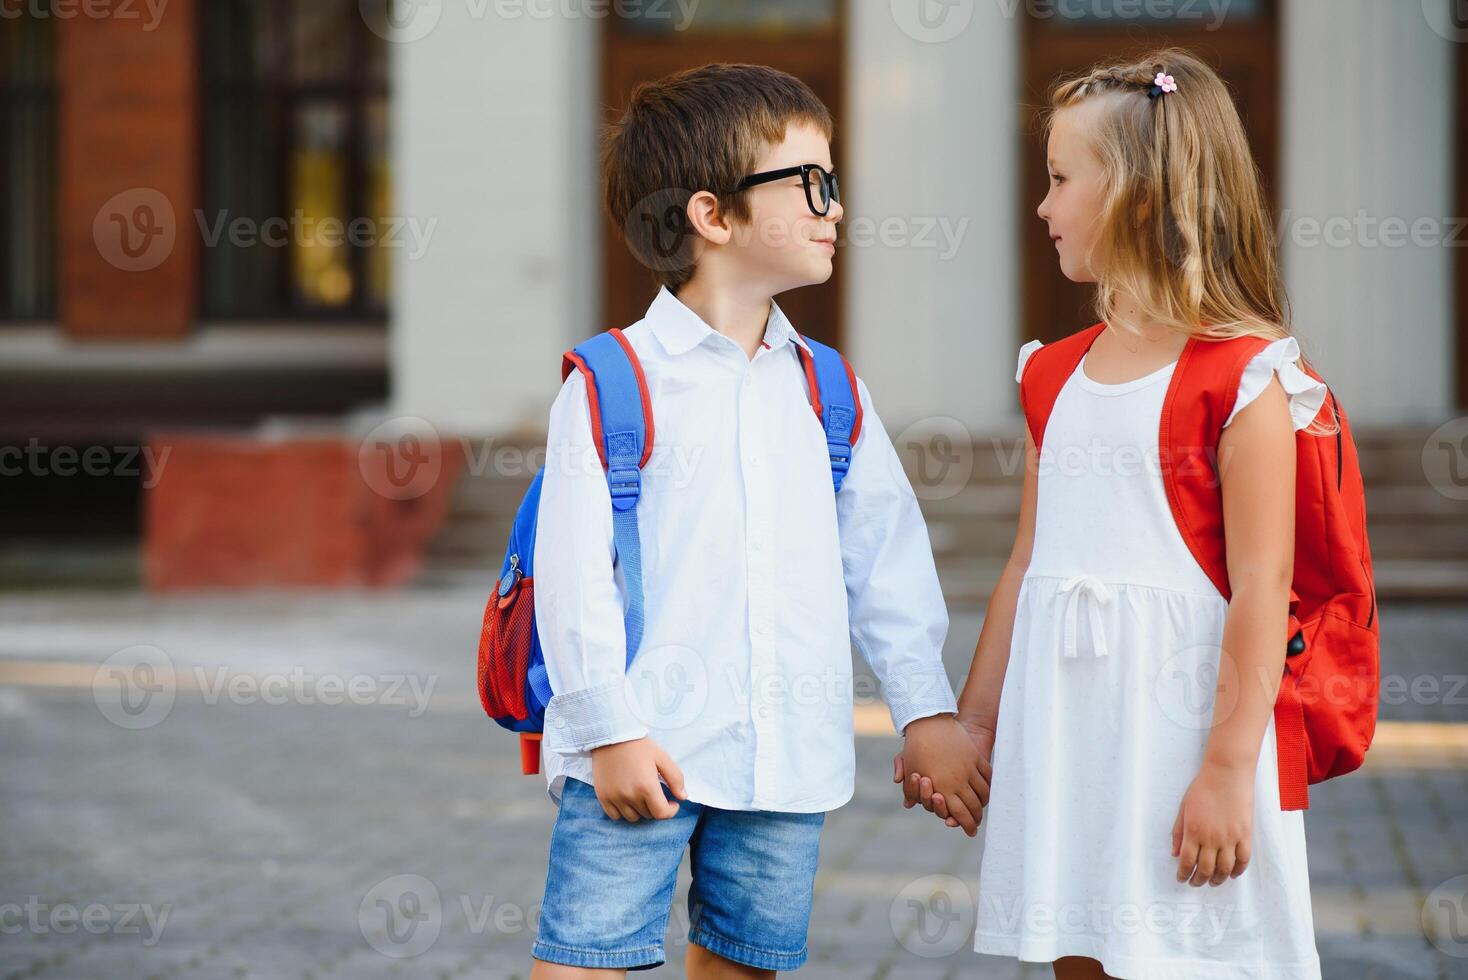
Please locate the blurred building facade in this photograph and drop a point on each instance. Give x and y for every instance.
(1353, 106)
(222, 213)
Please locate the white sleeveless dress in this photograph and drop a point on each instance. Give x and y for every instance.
(1105, 712)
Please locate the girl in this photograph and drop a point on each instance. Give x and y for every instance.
(1134, 752)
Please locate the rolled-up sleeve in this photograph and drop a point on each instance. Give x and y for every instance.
(898, 617)
(579, 608)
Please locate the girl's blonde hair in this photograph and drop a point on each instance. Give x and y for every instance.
(1185, 230)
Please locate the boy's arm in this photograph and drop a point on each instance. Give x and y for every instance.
(579, 615)
(578, 603)
(898, 617)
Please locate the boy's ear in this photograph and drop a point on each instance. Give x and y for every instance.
(707, 220)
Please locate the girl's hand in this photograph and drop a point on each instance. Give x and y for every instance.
(1214, 830)
(940, 752)
(919, 788)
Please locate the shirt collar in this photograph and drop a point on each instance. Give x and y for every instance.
(679, 329)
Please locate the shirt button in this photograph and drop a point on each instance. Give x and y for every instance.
(764, 712)
(560, 723)
(759, 545)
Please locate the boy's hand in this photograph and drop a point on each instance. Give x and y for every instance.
(625, 777)
(1214, 829)
(918, 788)
(940, 749)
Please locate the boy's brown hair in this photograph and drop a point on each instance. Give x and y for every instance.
(703, 129)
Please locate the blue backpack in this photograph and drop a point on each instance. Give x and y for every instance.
(513, 685)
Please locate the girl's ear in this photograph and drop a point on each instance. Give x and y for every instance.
(705, 218)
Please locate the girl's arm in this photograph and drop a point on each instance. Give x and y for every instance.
(978, 705)
(1214, 828)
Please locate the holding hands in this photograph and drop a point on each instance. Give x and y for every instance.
(944, 765)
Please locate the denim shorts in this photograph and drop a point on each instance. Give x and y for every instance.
(609, 890)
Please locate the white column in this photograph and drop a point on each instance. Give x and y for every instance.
(1366, 202)
(931, 160)
(493, 138)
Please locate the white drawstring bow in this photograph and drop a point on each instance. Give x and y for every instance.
(1100, 594)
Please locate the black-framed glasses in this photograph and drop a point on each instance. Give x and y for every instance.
(820, 185)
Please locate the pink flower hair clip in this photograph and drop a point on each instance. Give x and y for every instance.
(1162, 83)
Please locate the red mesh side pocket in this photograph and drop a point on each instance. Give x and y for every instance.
(504, 651)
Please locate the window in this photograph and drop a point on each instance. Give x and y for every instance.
(27, 167)
(295, 184)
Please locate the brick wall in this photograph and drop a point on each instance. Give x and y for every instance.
(127, 115)
(244, 512)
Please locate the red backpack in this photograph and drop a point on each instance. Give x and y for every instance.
(1325, 712)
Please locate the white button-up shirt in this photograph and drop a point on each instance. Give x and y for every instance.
(755, 573)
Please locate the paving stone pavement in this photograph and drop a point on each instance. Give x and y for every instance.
(249, 827)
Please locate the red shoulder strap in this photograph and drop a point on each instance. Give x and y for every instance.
(1200, 396)
(1045, 374)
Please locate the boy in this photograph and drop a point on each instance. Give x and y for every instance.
(731, 734)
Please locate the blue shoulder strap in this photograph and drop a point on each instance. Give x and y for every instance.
(625, 426)
(838, 403)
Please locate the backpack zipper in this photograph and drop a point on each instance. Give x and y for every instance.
(1372, 617)
(1339, 462)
